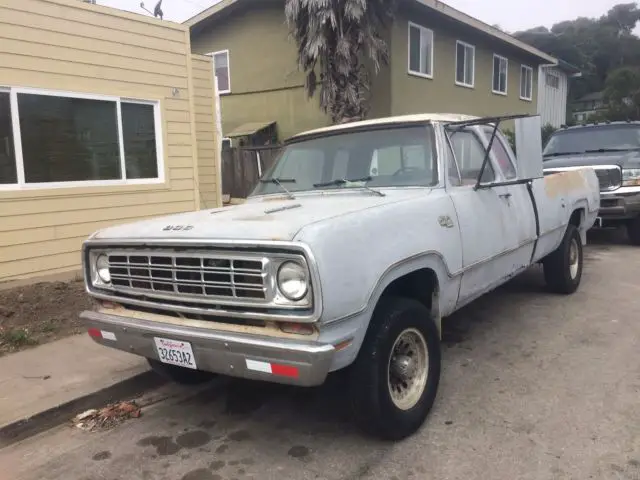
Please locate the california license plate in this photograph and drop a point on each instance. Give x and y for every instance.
(175, 352)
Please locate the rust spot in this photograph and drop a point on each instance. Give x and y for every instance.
(275, 199)
(563, 182)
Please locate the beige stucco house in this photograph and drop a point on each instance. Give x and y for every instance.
(106, 117)
(441, 60)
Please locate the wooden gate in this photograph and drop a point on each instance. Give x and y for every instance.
(243, 166)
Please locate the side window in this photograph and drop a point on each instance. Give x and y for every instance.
(504, 161)
(470, 155)
(452, 167)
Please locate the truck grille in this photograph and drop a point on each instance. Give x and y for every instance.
(609, 178)
(189, 274)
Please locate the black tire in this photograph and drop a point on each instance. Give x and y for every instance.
(560, 273)
(370, 395)
(633, 231)
(180, 375)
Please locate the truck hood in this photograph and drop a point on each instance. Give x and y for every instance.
(262, 218)
(629, 159)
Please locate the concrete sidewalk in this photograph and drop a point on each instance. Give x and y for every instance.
(48, 377)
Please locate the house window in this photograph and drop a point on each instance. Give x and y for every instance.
(64, 139)
(526, 82)
(420, 51)
(221, 68)
(553, 80)
(500, 72)
(465, 64)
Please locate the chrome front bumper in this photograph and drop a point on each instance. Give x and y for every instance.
(226, 353)
(620, 204)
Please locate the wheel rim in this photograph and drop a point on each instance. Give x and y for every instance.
(408, 368)
(574, 259)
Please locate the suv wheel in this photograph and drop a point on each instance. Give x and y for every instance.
(633, 230)
(394, 381)
(180, 375)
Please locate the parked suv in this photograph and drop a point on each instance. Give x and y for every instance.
(613, 150)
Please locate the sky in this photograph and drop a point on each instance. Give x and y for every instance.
(510, 15)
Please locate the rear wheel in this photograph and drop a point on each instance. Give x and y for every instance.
(563, 267)
(633, 230)
(180, 375)
(394, 381)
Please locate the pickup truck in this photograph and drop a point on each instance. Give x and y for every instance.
(351, 250)
(612, 149)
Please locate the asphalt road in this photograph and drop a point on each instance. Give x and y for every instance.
(534, 386)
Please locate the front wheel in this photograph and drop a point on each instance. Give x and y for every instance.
(563, 267)
(394, 381)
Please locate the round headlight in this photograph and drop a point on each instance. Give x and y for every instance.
(102, 268)
(292, 281)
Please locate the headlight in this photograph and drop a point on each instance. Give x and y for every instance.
(102, 268)
(292, 281)
(631, 177)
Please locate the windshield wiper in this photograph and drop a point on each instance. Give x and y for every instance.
(605, 150)
(343, 181)
(559, 154)
(279, 182)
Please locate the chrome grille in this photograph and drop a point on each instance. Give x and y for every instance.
(609, 178)
(189, 274)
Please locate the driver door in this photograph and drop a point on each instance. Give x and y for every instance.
(483, 216)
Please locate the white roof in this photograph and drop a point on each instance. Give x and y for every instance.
(416, 118)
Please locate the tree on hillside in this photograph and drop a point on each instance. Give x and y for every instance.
(339, 43)
(596, 46)
(622, 94)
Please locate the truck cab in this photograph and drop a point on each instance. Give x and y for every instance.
(352, 249)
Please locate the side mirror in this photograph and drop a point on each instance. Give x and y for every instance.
(529, 147)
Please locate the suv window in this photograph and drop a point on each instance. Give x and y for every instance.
(597, 137)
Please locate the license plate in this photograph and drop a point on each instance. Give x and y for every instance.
(175, 352)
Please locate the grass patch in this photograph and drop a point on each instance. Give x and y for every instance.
(17, 338)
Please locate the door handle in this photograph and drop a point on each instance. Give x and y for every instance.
(506, 196)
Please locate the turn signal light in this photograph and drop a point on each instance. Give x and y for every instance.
(297, 328)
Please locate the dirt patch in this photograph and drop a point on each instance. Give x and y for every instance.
(40, 313)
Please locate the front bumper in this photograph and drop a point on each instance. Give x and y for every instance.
(233, 354)
(620, 204)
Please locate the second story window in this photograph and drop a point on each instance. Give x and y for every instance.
(420, 51)
(465, 64)
(500, 69)
(221, 68)
(526, 82)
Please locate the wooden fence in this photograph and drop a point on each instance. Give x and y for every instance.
(243, 166)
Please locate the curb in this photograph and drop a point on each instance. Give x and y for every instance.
(28, 427)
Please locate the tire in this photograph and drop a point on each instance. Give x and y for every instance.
(180, 375)
(633, 231)
(395, 322)
(563, 267)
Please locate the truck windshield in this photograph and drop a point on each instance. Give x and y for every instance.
(388, 157)
(593, 139)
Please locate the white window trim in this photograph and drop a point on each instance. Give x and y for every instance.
(422, 31)
(473, 73)
(506, 76)
(17, 142)
(530, 70)
(213, 62)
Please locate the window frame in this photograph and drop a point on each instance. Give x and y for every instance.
(526, 68)
(422, 31)
(556, 78)
(506, 74)
(213, 61)
(473, 73)
(21, 183)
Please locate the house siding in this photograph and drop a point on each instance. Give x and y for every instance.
(552, 102)
(70, 46)
(412, 94)
(266, 84)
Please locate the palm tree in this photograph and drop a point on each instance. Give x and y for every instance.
(334, 39)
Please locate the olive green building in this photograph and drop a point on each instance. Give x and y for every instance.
(442, 60)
